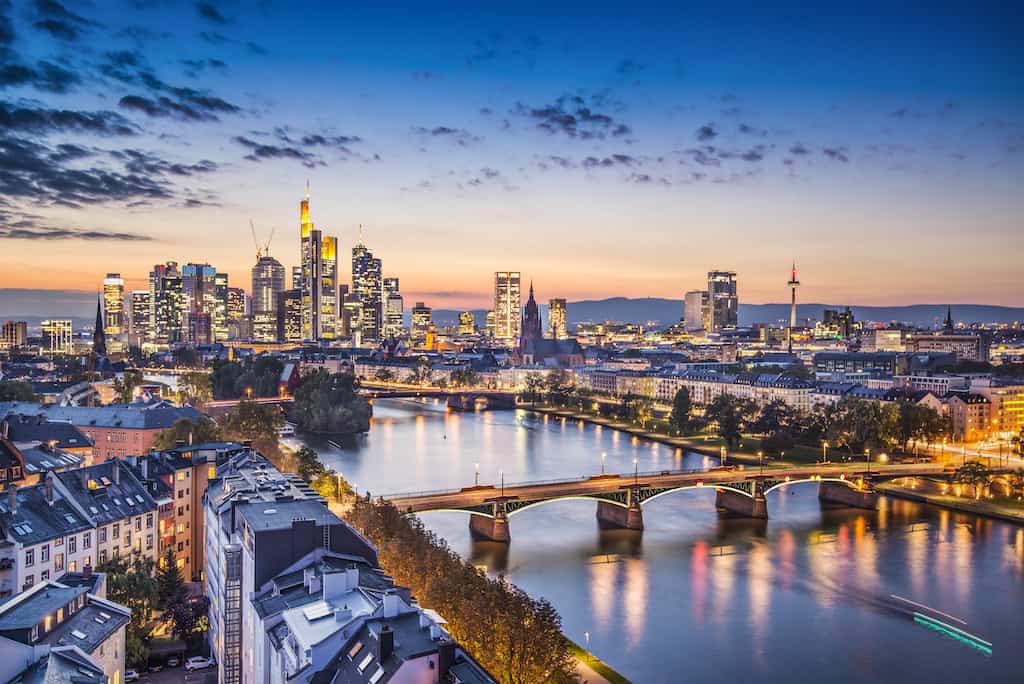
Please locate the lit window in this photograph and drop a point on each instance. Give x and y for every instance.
(181, 476)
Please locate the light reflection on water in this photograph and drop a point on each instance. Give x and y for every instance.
(804, 596)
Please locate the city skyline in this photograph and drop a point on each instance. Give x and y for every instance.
(660, 150)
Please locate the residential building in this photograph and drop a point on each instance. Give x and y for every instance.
(53, 632)
(970, 415)
(558, 319)
(57, 336)
(1007, 400)
(506, 305)
(840, 364)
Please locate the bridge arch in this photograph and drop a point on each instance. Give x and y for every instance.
(849, 483)
(451, 510)
(541, 502)
(714, 487)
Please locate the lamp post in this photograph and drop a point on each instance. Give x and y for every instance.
(586, 639)
(501, 473)
(867, 459)
(339, 486)
(636, 471)
(603, 454)
(824, 452)
(760, 462)
(476, 480)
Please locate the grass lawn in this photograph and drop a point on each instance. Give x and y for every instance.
(597, 665)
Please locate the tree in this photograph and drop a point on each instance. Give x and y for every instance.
(330, 485)
(384, 375)
(728, 413)
(465, 376)
(331, 403)
(195, 388)
(682, 407)
(168, 577)
(16, 390)
(190, 432)
(186, 357)
(131, 583)
(124, 386)
(310, 466)
(975, 474)
(188, 615)
(773, 417)
(533, 385)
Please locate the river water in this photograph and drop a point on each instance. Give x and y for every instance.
(697, 597)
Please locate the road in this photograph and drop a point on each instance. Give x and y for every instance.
(177, 675)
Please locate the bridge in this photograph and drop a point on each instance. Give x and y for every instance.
(457, 399)
(620, 498)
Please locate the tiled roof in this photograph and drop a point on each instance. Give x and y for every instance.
(110, 499)
(149, 416)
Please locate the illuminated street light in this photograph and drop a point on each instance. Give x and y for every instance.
(476, 467)
(824, 452)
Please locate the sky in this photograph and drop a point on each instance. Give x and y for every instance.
(601, 149)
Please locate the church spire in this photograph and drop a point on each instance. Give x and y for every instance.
(99, 337)
(949, 325)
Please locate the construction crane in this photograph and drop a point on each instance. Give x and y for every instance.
(264, 249)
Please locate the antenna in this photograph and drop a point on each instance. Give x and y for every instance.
(307, 188)
(360, 233)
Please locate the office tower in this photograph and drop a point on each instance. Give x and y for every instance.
(489, 323)
(289, 316)
(57, 336)
(239, 303)
(140, 306)
(467, 326)
(695, 309)
(318, 278)
(15, 335)
(267, 286)
(220, 307)
(166, 304)
(557, 319)
(843, 321)
(296, 278)
(352, 318)
(723, 303)
(199, 302)
(506, 305)
(394, 308)
(422, 317)
(113, 313)
(368, 286)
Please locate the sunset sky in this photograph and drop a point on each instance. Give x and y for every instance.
(600, 149)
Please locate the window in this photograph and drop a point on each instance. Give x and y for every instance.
(211, 472)
(58, 562)
(29, 581)
(117, 530)
(30, 557)
(181, 547)
(59, 541)
(103, 556)
(86, 540)
(103, 535)
(73, 566)
(149, 521)
(44, 575)
(44, 553)
(149, 541)
(128, 538)
(181, 475)
(181, 528)
(138, 524)
(87, 561)
(181, 493)
(181, 511)
(35, 632)
(72, 544)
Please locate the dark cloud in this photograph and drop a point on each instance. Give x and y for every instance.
(705, 156)
(574, 116)
(52, 233)
(799, 150)
(629, 68)
(836, 153)
(187, 104)
(41, 120)
(605, 162)
(294, 139)
(194, 67)
(496, 45)
(164, 107)
(555, 160)
(459, 136)
(706, 133)
(486, 111)
(256, 49)
(45, 76)
(260, 151)
(137, 161)
(647, 179)
(58, 21)
(208, 11)
(213, 37)
(747, 129)
(6, 27)
(66, 152)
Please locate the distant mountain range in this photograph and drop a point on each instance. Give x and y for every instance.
(35, 305)
(666, 311)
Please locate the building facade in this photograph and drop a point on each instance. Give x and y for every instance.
(506, 305)
(558, 319)
(267, 286)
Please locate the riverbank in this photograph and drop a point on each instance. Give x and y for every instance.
(593, 670)
(988, 509)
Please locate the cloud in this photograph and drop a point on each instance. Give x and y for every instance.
(45, 76)
(799, 150)
(194, 67)
(459, 136)
(52, 233)
(41, 120)
(605, 162)
(747, 129)
(706, 133)
(6, 27)
(209, 12)
(836, 153)
(629, 68)
(260, 151)
(256, 49)
(325, 139)
(427, 76)
(705, 156)
(141, 162)
(60, 22)
(213, 37)
(646, 179)
(575, 117)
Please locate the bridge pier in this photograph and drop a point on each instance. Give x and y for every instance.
(741, 504)
(612, 515)
(483, 528)
(840, 493)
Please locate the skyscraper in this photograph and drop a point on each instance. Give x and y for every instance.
(367, 285)
(723, 301)
(289, 316)
(352, 319)
(467, 325)
(696, 310)
(394, 308)
(267, 286)
(166, 304)
(57, 336)
(506, 305)
(318, 286)
(140, 309)
(200, 300)
(557, 322)
(422, 317)
(14, 335)
(113, 313)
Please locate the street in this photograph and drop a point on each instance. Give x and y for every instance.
(177, 675)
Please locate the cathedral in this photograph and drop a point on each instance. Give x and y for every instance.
(534, 348)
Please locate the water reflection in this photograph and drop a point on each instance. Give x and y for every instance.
(719, 598)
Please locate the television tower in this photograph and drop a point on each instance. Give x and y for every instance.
(793, 284)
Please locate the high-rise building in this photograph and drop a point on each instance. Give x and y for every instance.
(352, 319)
(319, 278)
(113, 313)
(219, 315)
(557, 321)
(296, 278)
(166, 304)
(368, 286)
(57, 336)
(722, 300)
(200, 302)
(506, 305)
(14, 335)
(695, 309)
(140, 309)
(467, 326)
(394, 308)
(489, 323)
(267, 286)
(422, 317)
(239, 303)
(289, 316)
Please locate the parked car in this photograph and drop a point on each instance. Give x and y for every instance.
(131, 676)
(198, 663)
(173, 661)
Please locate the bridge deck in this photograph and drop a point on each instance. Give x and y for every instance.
(557, 489)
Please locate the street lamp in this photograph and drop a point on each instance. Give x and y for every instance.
(501, 473)
(824, 452)
(586, 638)
(603, 455)
(636, 471)
(476, 467)
(867, 459)
(760, 461)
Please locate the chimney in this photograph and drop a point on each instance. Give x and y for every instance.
(144, 467)
(116, 468)
(391, 604)
(49, 487)
(445, 658)
(387, 642)
(12, 498)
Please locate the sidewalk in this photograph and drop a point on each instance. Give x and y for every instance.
(957, 503)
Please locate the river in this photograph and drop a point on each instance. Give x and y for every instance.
(696, 597)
